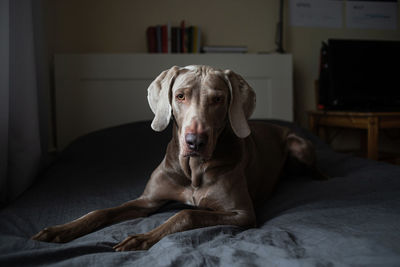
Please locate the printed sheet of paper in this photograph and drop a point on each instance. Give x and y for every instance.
(316, 13)
(371, 14)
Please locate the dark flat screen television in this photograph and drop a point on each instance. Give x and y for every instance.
(360, 75)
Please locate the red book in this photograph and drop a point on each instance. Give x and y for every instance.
(164, 38)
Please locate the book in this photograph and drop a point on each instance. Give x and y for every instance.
(167, 39)
(199, 40)
(190, 39)
(159, 39)
(183, 38)
(196, 39)
(164, 39)
(174, 40)
(151, 39)
(178, 40)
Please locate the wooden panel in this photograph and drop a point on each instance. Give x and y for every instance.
(389, 122)
(99, 91)
(343, 121)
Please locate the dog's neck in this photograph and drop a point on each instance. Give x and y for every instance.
(193, 167)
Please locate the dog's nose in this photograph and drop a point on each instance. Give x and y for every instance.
(195, 141)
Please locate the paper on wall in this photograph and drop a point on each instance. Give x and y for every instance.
(371, 14)
(316, 13)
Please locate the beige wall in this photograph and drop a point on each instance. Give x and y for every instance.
(118, 26)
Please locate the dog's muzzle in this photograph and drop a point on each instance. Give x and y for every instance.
(196, 142)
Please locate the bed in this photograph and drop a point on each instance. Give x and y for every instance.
(352, 219)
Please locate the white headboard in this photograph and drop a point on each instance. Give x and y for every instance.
(95, 91)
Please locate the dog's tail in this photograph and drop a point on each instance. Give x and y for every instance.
(302, 158)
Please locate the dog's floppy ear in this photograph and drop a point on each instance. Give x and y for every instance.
(158, 98)
(242, 104)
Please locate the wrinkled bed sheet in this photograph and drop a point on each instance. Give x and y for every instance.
(353, 219)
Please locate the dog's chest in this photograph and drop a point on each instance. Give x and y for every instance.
(198, 191)
(203, 187)
(206, 195)
(195, 196)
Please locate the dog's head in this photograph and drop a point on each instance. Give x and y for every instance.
(202, 100)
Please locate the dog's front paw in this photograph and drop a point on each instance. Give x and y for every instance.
(55, 234)
(136, 242)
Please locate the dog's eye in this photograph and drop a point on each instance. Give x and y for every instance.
(180, 97)
(218, 100)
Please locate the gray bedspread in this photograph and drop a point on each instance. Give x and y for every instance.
(353, 219)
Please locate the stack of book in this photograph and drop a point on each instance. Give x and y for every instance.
(167, 39)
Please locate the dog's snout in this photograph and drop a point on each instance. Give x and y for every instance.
(196, 142)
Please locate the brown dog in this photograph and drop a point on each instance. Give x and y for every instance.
(216, 160)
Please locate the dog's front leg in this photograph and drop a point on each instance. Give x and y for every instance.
(186, 220)
(97, 219)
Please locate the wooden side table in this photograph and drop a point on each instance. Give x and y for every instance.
(370, 121)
